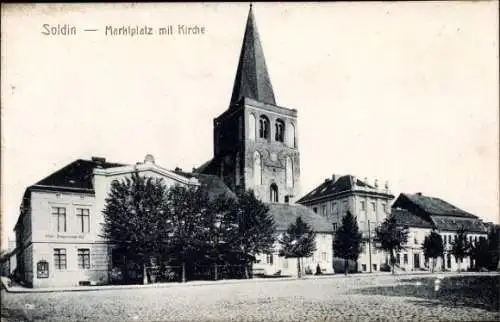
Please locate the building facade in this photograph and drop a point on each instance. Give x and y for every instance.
(423, 214)
(370, 204)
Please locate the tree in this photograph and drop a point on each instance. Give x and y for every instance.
(433, 247)
(494, 247)
(479, 254)
(391, 237)
(256, 230)
(187, 209)
(460, 246)
(347, 243)
(134, 217)
(298, 241)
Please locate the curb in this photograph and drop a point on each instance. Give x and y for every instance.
(16, 289)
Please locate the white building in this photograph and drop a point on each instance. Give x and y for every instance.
(422, 214)
(369, 203)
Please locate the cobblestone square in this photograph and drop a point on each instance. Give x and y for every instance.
(337, 298)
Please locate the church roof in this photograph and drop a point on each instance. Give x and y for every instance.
(252, 78)
(331, 187)
(285, 214)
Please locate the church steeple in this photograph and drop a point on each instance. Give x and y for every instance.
(252, 79)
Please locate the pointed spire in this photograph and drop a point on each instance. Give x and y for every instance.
(252, 79)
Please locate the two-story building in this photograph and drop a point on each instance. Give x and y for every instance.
(369, 203)
(422, 214)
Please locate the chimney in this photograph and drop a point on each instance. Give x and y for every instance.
(98, 159)
(177, 169)
(418, 193)
(335, 177)
(376, 183)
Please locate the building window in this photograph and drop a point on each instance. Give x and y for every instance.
(84, 258)
(448, 260)
(42, 269)
(335, 226)
(251, 127)
(323, 256)
(291, 135)
(384, 209)
(415, 240)
(83, 216)
(289, 172)
(60, 258)
(279, 135)
(323, 210)
(363, 266)
(363, 205)
(374, 209)
(375, 267)
(264, 127)
(315, 209)
(346, 206)
(257, 168)
(405, 259)
(269, 259)
(332, 208)
(449, 239)
(398, 258)
(59, 215)
(274, 193)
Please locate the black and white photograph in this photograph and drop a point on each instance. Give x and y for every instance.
(280, 161)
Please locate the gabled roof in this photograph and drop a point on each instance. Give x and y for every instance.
(75, 176)
(406, 218)
(434, 206)
(252, 79)
(342, 184)
(285, 214)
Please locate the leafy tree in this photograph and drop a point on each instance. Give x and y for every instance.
(298, 241)
(347, 243)
(460, 246)
(256, 230)
(187, 209)
(391, 237)
(433, 247)
(494, 247)
(479, 254)
(134, 217)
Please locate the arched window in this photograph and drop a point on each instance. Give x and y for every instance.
(274, 193)
(257, 169)
(279, 134)
(291, 135)
(251, 127)
(289, 172)
(264, 127)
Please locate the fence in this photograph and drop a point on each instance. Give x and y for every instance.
(168, 273)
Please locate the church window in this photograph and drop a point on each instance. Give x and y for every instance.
(240, 128)
(264, 127)
(251, 127)
(274, 193)
(290, 134)
(279, 133)
(257, 168)
(289, 172)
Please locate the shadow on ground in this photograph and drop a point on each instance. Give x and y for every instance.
(480, 292)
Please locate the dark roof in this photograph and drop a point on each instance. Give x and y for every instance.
(436, 206)
(75, 176)
(212, 184)
(252, 79)
(406, 218)
(285, 214)
(473, 225)
(329, 187)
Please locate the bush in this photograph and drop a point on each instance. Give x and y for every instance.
(308, 271)
(338, 266)
(385, 268)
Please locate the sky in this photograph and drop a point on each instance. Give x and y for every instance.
(404, 92)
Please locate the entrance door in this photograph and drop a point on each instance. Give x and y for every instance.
(416, 260)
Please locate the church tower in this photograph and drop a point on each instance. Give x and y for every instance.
(255, 140)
